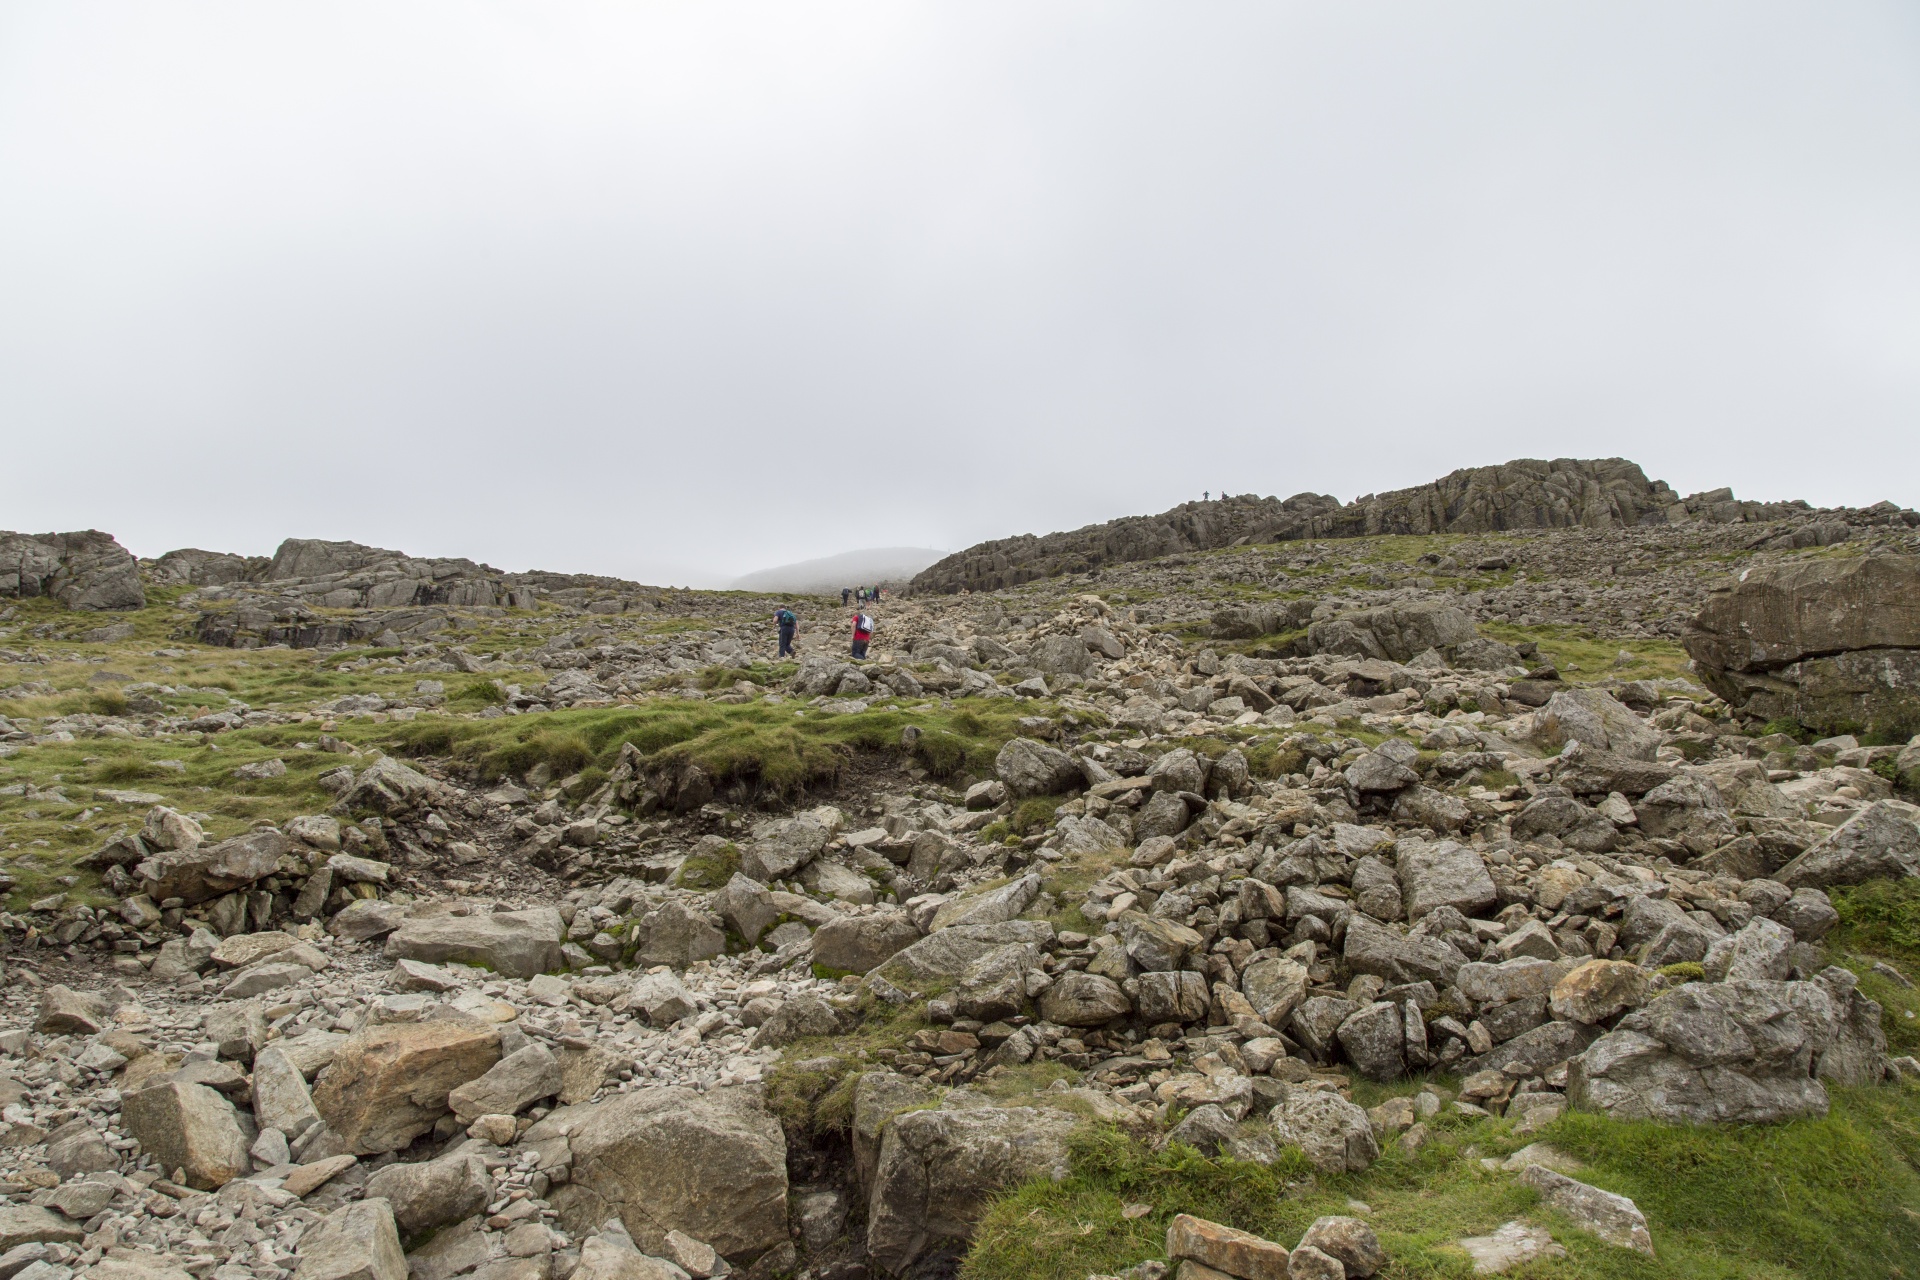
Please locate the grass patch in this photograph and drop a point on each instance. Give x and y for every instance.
(1582, 657)
(709, 870)
(1830, 1199)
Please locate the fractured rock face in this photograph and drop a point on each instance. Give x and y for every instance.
(86, 570)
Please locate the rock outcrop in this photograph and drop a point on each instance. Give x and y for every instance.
(1831, 643)
(86, 570)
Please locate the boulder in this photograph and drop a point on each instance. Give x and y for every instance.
(779, 847)
(433, 1193)
(1350, 1240)
(1596, 719)
(797, 1019)
(1613, 1218)
(1225, 1249)
(1333, 1133)
(509, 1086)
(1879, 842)
(190, 1127)
(1030, 768)
(515, 944)
(210, 871)
(1375, 1041)
(712, 1165)
(1171, 997)
(1833, 643)
(1374, 948)
(357, 1241)
(1600, 989)
(86, 570)
(1393, 632)
(1083, 1000)
(662, 999)
(1443, 874)
(676, 934)
(389, 1082)
(30, 1224)
(995, 906)
(1761, 949)
(859, 944)
(280, 1096)
(938, 1170)
(1727, 1052)
(64, 1011)
(389, 788)
(1275, 986)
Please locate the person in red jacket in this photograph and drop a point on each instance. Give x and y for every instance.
(862, 632)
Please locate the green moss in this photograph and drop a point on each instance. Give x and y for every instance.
(709, 870)
(1684, 971)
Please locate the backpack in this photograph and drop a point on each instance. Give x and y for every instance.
(785, 618)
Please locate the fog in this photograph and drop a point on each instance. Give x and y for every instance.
(679, 291)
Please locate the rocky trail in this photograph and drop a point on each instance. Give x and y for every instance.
(1445, 899)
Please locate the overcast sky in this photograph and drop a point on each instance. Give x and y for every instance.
(680, 290)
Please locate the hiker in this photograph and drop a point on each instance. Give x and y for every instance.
(786, 620)
(862, 632)
(845, 595)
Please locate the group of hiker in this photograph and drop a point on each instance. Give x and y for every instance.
(859, 595)
(788, 622)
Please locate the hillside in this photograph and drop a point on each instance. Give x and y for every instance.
(1537, 896)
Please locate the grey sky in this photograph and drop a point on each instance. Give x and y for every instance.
(677, 291)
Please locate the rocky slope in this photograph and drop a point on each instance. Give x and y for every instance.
(1528, 494)
(560, 942)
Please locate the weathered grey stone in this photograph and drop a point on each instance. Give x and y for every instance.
(358, 1241)
(1171, 997)
(280, 1097)
(1351, 1241)
(515, 944)
(796, 1019)
(1879, 842)
(1596, 719)
(662, 999)
(1225, 1249)
(64, 1011)
(1599, 989)
(781, 846)
(1728, 1052)
(209, 871)
(1444, 874)
(1030, 768)
(30, 1224)
(1333, 1133)
(1613, 1218)
(433, 1193)
(1373, 948)
(190, 1127)
(860, 944)
(390, 788)
(676, 934)
(937, 1171)
(1759, 950)
(712, 1165)
(1083, 1000)
(1375, 1041)
(509, 1086)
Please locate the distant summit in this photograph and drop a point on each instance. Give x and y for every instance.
(1566, 493)
(873, 566)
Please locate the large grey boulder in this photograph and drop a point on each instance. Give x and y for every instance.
(433, 1193)
(1726, 1052)
(1881, 842)
(1687, 808)
(1060, 655)
(190, 1127)
(1374, 948)
(1614, 1218)
(781, 846)
(1832, 643)
(713, 1166)
(281, 1099)
(509, 1086)
(938, 1170)
(389, 787)
(677, 934)
(950, 952)
(1596, 719)
(1443, 874)
(1393, 632)
(1084, 1000)
(1030, 768)
(200, 872)
(994, 906)
(863, 943)
(1333, 1133)
(515, 944)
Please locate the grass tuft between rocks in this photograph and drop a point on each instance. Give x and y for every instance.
(1827, 1199)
